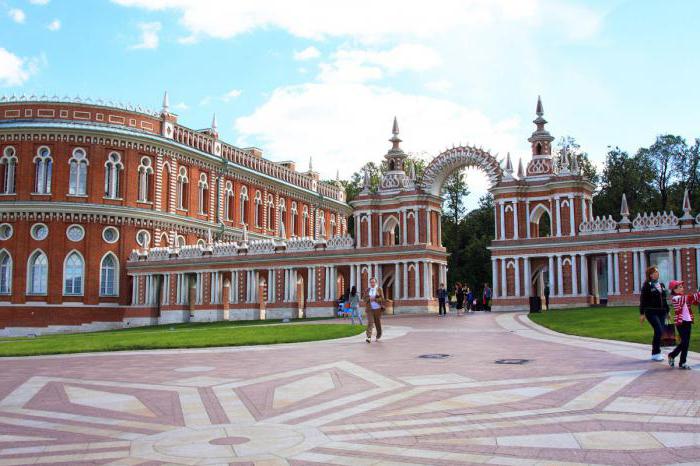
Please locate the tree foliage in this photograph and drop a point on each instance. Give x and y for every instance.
(567, 148)
(453, 193)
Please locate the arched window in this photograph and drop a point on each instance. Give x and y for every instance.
(73, 271)
(305, 220)
(333, 232)
(295, 219)
(538, 149)
(43, 167)
(282, 208)
(78, 173)
(321, 223)
(109, 277)
(258, 208)
(113, 166)
(228, 201)
(270, 220)
(8, 168)
(243, 199)
(540, 222)
(203, 187)
(182, 182)
(5, 272)
(145, 179)
(37, 270)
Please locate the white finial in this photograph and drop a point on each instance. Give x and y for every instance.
(311, 164)
(214, 126)
(337, 175)
(166, 102)
(624, 210)
(521, 172)
(686, 206)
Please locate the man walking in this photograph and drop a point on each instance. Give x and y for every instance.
(442, 297)
(374, 303)
(487, 297)
(546, 296)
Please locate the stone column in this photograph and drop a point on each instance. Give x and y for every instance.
(550, 270)
(574, 275)
(404, 227)
(416, 279)
(616, 265)
(697, 265)
(515, 220)
(527, 218)
(679, 264)
(494, 276)
(642, 267)
(495, 222)
(560, 277)
(272, 285)
(635, 271)
(369, 230)
(527, 278)
(584, 275)
(428, 233)
(502, 220)
(558, 212)
(439, 231)
(381, 230)
(584, 218)
(571, 215)
(504, 281)
(416, 236)
(611, 285)
(404, 266)
(671, 262)
(516, 271)
(358, 240)
(396, 281)
(351, 273)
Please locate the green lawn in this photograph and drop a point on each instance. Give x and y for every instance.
(199, 335)
(610, 323)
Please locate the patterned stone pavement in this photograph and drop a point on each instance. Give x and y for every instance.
(575, 401)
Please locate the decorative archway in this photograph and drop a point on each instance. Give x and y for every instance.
(453, 159)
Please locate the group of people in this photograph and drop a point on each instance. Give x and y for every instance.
(654, 308)
(465, 299)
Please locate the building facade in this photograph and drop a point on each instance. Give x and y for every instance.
(113, 216)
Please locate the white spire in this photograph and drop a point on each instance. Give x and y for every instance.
(166, 103)
(214, 126)
(624, 210)
(311, 164)
(686, 206)
(521, 172)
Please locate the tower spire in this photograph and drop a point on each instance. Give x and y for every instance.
(539, 110)
(395, 141)
(166, 103)
(214, 126)
(541, 143)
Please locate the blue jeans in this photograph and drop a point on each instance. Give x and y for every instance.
(355, 313)
(656, 320)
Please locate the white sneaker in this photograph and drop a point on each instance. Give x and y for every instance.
(657, 357)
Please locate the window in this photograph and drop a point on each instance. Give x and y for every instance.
(78, 173)
(5, 231)
(145, 179)
(5, 272)
(110, 235)
(295, 217)
(113, 166)
(75, 233)
(182, 182)
(8, 167)
(73, 274)
(333, 232)
(203, 188)
(43, 167)
(39, 231)
(37, 268)
(109, 281)
(258, 209)
(270, 220)
(143, 238)
(181, 242)
(201, 243)
(228, 201)
(244, 205)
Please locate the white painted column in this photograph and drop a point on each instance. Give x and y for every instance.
(679, 264)
(352, 276)
(416, 276)
(527, 218)
(550, 270)
(616, 264)
(396, 281)
(558, 212)
(415, 226)
(527, 286)
(272, 278)
(369, 230)
(285, 297)
(516, 270)
(404, 265)
(504, 282)
(560, 277)
(428, 233)
(642, 267)
(671, 263)
(494, 276)
(697, 265)
(495, 222)
(584, 275)
(404, 228)
(515, 219)
(295, 277)
(502, 221)
(358, 241)
(326, 280)
(583, 209)
(439, 230)
(572, 229)
(381, 230)
(635, 270)
(611, 289)
(574, 276)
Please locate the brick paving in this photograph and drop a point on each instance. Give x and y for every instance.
(575, 401)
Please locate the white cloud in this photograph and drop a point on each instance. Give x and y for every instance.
(307, 54)
(17, 15)
(440, 85)
(182, 106)
(206, 100)
(230, 95)
(14, 70)
(368, 20)
(39, 2)
(54, 25)
(149, 36)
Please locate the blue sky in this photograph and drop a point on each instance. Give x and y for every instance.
(324, 79)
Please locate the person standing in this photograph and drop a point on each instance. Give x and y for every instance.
(683, 319)
(653, 307)
(442, 297)
(546, 296)
(487, 297)
(374, 303)
(354, 300)
(459, 296)
(470, 300)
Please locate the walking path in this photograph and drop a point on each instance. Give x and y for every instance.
(557, 400)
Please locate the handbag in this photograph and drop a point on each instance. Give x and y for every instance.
(668, 333)
(347, 305)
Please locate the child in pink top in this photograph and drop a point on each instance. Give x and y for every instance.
(683, 319)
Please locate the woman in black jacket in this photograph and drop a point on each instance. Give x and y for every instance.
(654, 308)
(459, 295)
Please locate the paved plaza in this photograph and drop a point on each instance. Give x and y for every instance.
(573, 401)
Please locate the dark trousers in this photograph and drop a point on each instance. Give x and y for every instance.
(374, 319)
(441, 307)
(684, 331)
(656, 320)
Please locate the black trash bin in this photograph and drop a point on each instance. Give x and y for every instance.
(535, 304)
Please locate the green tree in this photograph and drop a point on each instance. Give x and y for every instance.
(626, 174)
(453, 193)
(568, 147)
(667, 157)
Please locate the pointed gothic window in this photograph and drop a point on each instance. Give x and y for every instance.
(43, 167)
(145, 171)
(78, 173)
(113, 166)
(8, 168)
